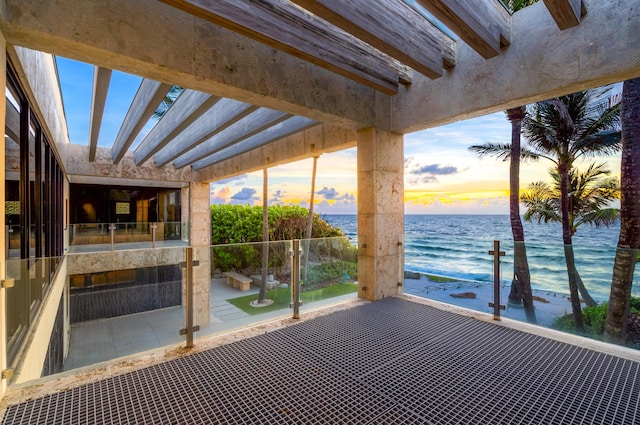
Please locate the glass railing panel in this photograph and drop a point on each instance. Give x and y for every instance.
(87, 237)
(124, 302)
(463, 276)
(236, 283)
(89, 234)
(328, 272)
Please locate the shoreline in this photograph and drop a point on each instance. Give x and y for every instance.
(476, 295)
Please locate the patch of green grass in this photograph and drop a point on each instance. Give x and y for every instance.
(282, 297)
(441, 279)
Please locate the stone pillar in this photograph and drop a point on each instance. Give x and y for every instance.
(200, 240)
(380, 213)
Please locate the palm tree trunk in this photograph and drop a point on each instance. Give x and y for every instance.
(584, 293)
(305, 260)
(568, 247)
(265, 236)
(521, 283)
(615, 328)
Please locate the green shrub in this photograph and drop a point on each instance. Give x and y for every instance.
(243, 223)
(328, 272)
(593, 318)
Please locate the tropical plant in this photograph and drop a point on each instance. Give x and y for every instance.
(563, 130)
(243, 223)
(591, 194)
(521, 284)
(628, 248)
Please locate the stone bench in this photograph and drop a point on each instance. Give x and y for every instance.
(238, 281)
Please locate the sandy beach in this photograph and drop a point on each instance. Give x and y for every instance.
(548, 305)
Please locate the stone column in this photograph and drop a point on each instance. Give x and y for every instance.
(200, 240)
(380, 213)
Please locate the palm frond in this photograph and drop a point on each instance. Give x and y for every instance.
(498, 150)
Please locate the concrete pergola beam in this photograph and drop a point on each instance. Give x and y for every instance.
(566, 13)
(276, 132)
(146, 101)
(101, 80)
(259, 120)
(224, 114)
(187, 108)
(311, 142)
(541, 62)
(482, 24)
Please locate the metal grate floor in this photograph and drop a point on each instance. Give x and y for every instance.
(389, 362)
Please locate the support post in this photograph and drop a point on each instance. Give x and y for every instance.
(189, 328)
(154, 226)
(295, 278)
(112, 236)
(380, 212)
(496, 280)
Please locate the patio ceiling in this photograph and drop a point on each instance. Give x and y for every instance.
(378, 44)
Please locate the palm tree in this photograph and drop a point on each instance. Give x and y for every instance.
(615, 328)
(521, 284)
(563, 130)
(590, 195)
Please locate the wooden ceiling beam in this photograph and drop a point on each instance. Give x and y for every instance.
(146, 101)
(281, 130)
(188, 107)
(259, 120)
(101, 81)
(391, 26)
(286, 27)
(483, 24)
(566, 13)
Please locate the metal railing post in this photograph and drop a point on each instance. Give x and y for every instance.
(496, 280)
(190, 328)
(154, 226)
(295, 277)
(112, 235)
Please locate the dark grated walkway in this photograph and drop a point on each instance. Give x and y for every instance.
(389, 362)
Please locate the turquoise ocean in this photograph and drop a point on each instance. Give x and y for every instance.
(458, 246)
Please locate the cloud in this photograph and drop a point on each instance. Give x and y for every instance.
(277, 198)
(246, 195)
(221, 196)
(426, 173)
(435, 170)
(347, 197)
(328, 193)
(428, 179)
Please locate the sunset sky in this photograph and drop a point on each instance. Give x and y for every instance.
(441, 175)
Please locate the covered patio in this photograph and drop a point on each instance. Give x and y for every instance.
(357, 74)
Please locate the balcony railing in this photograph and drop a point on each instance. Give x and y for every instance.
(104, 305)
(112, 236)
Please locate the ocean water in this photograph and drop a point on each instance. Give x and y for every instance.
(458, 246)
